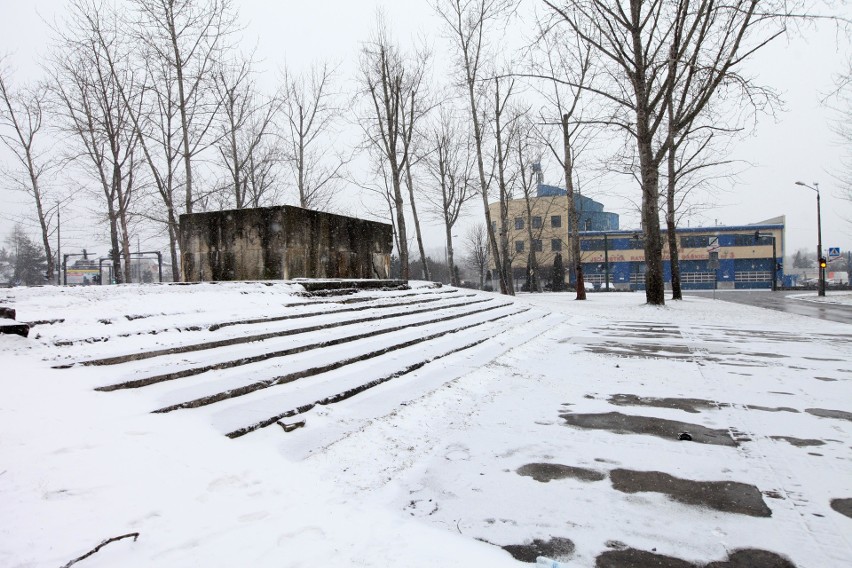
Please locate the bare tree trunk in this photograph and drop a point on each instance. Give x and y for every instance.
(483, 191)
(399, 207)
(45, 231)
(532, 265)
(504, 195)
(410, 183)
(450, 259)
(573, 214)
(649, 174)
(671, 227)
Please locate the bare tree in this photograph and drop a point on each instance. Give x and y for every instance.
(185, 39)
(842, 128)
(22, 131)
(635, 41)
(506, 131)
(391, 84)
(477, 248)
(691, 165)
(246, 144)
(567, 65)
(415, 109)
(469, 23)
(92, 111)
(450, 163)
(528, 158)
(312, 110)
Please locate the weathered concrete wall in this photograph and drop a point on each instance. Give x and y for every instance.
(280, 243)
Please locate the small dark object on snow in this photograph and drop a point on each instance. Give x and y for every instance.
(684, 436)
(134, 536)
(8, 313)
(13, 327)
(292, 426)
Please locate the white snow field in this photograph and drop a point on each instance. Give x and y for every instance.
(255, 425)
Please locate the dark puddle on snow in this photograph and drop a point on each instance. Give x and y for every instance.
(773, 409)
(842, 506)
(557, 548)
(669, 429)
(545, 472)
(799, 442)
(823, 413)
(746, 558)
(725, 496)
(694, 405)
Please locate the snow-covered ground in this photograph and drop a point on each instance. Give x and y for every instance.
(539, 424)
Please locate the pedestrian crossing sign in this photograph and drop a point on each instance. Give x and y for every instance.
(833, 251)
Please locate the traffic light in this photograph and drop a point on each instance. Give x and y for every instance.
(822, 262)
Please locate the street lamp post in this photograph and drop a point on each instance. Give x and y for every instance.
(821, 286)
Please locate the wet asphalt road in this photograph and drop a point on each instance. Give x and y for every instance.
(782, 301)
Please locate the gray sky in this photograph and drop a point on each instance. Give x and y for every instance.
(799, 145)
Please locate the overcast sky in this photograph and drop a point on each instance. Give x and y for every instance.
(798, 145)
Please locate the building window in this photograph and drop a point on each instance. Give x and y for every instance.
(697, 277)
(748, 240)
(753, 276)
(695, 241)
(537, 247)
(519, 246)
(556, 245)
(494, 227)
(519, 223)
(588, 225)
(536, 222)
(556, 221)
(592, 244)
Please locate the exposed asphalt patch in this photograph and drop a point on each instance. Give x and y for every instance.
(545, 472)
(694, 405)
(842, 506)
(668, 429)
(642, 350)
(752, 558)
(799, 442)
(632, 558)
(746, 558)
(725, 496)
(557, 548)
(823, 413)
